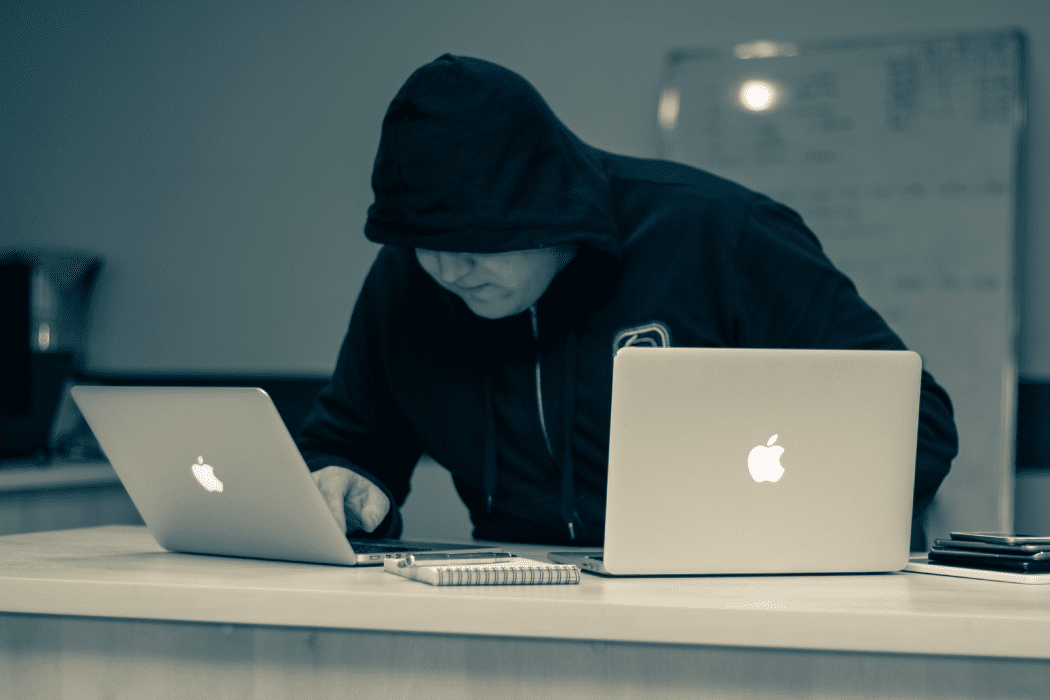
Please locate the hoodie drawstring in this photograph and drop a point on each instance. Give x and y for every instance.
(490, 441)
(568, 490)
(539, 381)
(568, 510)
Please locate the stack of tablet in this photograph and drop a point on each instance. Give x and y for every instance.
(994, 550)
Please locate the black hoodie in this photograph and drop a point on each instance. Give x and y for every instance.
(472, 159)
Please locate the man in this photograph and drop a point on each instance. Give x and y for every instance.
(517, 260)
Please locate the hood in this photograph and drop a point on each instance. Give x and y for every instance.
(472, 159)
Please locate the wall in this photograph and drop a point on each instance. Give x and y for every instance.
(218, 154)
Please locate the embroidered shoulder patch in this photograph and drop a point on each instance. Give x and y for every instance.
(653, 334)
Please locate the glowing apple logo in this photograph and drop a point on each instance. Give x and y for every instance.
(206, 476)
(764, 462)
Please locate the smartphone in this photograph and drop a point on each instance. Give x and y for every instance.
(991, 547)
(1019, 556)
(985, 561)
(1000, 538)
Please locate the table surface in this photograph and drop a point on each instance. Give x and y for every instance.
(121, 572)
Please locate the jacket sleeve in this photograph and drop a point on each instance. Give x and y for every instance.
(791, 295)
(355, 422)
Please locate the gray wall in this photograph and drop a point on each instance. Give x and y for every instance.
(218, 153)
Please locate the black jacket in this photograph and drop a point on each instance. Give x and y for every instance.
(472, 159)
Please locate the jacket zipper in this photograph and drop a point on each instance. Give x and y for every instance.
(539, 401)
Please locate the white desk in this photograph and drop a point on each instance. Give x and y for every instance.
(106, 612)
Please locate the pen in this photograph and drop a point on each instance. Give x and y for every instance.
(445, 559)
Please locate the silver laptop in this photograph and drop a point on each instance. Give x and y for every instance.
(214, 471)
(755, 461)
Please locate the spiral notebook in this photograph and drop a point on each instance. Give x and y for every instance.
(517, 572)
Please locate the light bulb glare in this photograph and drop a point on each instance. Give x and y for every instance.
(667, 112)
(757, 95)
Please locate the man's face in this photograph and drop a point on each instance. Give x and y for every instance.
(496, 285)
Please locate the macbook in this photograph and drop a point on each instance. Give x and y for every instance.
(214, 471)
(759, 461)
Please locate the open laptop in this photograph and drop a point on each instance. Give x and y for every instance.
(757, 461)
(214, 471)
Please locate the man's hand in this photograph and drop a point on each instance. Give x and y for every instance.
(356, 503)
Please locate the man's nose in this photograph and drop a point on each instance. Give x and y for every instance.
(454, 266)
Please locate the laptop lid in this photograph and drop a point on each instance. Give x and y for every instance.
(734, 461)
(215, 471)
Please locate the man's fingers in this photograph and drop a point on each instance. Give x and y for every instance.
(367, 502)
(376, 507)
(335, 504)
(355, 502)
(332, 486)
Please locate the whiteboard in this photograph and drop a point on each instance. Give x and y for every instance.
(901, 154)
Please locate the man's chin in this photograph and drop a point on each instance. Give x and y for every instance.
(493, 310)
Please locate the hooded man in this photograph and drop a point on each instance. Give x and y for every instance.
(516, 260)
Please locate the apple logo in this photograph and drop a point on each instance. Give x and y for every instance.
(764, 462)
(206, 476)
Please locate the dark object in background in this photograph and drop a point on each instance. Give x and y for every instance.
(14, 341)
(293, 396)
(28, 434)
(44, 301)
(60, 293)
(1033, 425)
